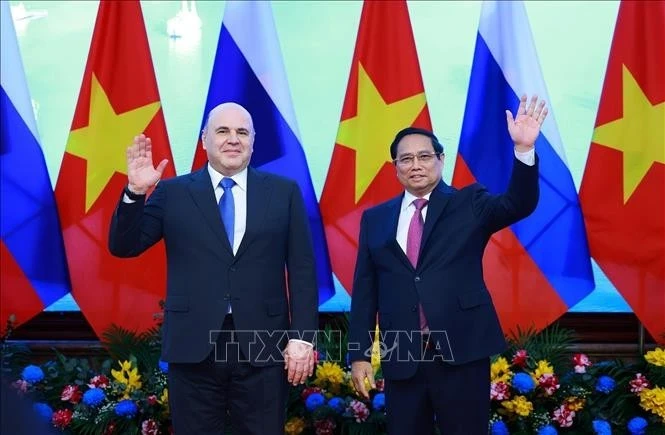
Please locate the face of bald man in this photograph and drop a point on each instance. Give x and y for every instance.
(228, 138)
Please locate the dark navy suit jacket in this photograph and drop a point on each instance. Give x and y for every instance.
(204, 275)
(448, 279)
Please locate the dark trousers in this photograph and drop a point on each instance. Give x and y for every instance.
(224, 391)
(454, 398)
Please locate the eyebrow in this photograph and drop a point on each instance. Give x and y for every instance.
(240, 129)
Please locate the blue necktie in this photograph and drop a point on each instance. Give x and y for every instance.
(227, 208)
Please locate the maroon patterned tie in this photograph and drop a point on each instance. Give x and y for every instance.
(413, 244)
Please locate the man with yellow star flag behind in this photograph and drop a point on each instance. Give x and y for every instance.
(623, 188)
(118, 98)
(385, 94)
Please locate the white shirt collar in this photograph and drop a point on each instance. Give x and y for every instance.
(409, 198)
(240, 178)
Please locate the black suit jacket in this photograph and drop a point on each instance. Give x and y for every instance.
(204, 275)
(448, 279)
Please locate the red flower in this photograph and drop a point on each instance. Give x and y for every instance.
(639, 383)
(99, 381)
(499, 391)
(380, 384)
(520, 357)
(564, 416)
(325, 427)
(152, 399)
(149, 427)
(549, 383)
(61, 418)
(71, 393)
(110, 429)
(359, 411)
(581, 362)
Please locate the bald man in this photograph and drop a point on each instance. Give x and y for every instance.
(237, 330)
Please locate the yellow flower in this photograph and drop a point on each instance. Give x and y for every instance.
(164, 398)
(128, 377)
(542, 368)
(376, 350)
(294, 426)
(519, 405)
(656, 357)
(500, 371)
(653, 400)
(574, 403)
(329, 376)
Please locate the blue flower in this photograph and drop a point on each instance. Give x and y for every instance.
(547, 430)
(337, 404)
(637, 426)
(43, 410)
(126, 408)
(379, 402)
(605, 384)
(523, 383)
(32, 374)
(499, 428)
(163, 366)
(602, 427)
(314, 401)
(93, 397)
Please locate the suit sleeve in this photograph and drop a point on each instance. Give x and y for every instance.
(518, 202)
(363, 300)
(301, 269)
(137, 226)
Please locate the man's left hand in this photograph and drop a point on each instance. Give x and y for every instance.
(298, 361)
(525, 127)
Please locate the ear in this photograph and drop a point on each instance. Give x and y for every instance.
(203, 138)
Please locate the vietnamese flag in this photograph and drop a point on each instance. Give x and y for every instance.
(118, 100)
(385, 94)
(623, 188)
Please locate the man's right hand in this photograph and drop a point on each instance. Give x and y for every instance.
(141, 174)
(361, 370)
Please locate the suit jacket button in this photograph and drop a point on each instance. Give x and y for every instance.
(233, 269)
(414, 308)
(416, 279)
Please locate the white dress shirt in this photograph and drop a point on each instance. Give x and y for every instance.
(407, 208)
(239, 200)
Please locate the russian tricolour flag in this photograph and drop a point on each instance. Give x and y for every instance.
(34, 267)
(540, 267)
(249, 70)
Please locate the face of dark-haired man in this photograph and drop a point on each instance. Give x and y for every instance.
(418, 164)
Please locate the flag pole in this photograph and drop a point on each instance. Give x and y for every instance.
(640, 337)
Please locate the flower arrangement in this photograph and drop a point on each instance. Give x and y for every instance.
(126, 394)
(537, 387)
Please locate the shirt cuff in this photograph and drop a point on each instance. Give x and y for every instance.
(527, 157)
(126, 199)
(301, 341)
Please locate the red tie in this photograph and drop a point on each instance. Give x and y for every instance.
(413, 239)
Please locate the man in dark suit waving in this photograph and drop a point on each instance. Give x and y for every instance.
(232, 318)
(419, 268)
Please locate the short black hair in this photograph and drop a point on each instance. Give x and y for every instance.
(438, 148)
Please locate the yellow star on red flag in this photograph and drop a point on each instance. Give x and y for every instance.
(104, 140)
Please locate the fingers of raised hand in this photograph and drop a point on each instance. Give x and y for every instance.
(541, 112)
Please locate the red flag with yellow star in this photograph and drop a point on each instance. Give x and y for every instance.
(385, 94)
(118, 100)
(623, 189)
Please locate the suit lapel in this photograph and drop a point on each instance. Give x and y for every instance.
(258, 195)
(438, 201)
(390, 230)
(204, 196)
